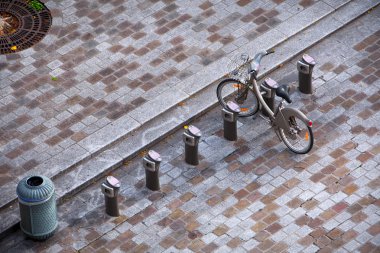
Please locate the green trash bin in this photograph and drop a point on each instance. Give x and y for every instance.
(38, 210)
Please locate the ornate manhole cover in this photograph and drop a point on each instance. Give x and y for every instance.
(23, 23)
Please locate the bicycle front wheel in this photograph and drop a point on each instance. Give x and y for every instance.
(299, 138)
(234, 90)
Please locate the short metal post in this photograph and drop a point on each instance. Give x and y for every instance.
(110, 189)
(151, 164)
(230, 121)
(305, 69)
(191, 139)
(269, 86)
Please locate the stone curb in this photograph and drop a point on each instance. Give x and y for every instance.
(145, 132)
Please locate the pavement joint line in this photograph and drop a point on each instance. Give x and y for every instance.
(193, 117)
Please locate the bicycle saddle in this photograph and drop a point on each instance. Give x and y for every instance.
(282, 92)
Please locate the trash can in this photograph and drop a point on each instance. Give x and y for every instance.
(305, 69)
(110, 189)
(38, 211)
(269, 86)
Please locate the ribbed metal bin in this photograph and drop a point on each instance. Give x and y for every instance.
(38, 211)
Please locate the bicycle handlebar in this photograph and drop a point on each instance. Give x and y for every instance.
(255, 65)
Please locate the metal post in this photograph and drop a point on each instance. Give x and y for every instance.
(305, 68)
(191, 138)
(151, 164)
(230, 121)
(269, 86)
(110, 189)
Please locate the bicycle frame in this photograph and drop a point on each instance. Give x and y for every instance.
(278, 118)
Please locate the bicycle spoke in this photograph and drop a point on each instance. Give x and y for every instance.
(233, 90)
(299, 139)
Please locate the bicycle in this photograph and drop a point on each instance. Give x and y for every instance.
(290, 125)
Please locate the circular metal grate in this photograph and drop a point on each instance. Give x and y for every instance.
(25, 26)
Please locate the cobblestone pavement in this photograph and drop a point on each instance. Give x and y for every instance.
(109, 58)
(253, 195)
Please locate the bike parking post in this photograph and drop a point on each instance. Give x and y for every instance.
(269, 87)
(305, 68)
(151, 163)
(110, 189)
(230, 121)
(191, 138)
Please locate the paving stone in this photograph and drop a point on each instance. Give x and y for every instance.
(294, 196)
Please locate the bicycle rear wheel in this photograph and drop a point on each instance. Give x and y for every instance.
(234, 90)
(300, 138)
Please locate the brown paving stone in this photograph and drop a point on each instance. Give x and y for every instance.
(273, 228)
(142, 51)
(234, 243)
(315, 223)
(279, 247)
(266, 244)
(360, 46)
(363, 63)
(370, 79)
(260, 20)
(262, 28)
(310, 204)
(220, 230)
(371, 131)
(317, 233)
(306, 3)
(348, 104)
(53, 140)
(210, 248)
(364, 157)
(327, 67)
(196, 245)
(374, 229)
(271, 219)
(241, 194)
(306, 241)
(257, 12)
(368, 247)
(129, 245)
(339, 207)
(247, 18)
(359, 217)
(367, 71)
(339, 69)
(292, 183)
(323, 241)
(365, 114)
(349, 235)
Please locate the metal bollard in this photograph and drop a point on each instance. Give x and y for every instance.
(191, 138)
(269, 86)
(305, 68)
(230, 121)
(151, 164)
(110, 189)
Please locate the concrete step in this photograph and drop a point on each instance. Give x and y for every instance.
(98, 155)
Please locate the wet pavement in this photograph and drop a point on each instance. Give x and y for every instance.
(253, 195)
